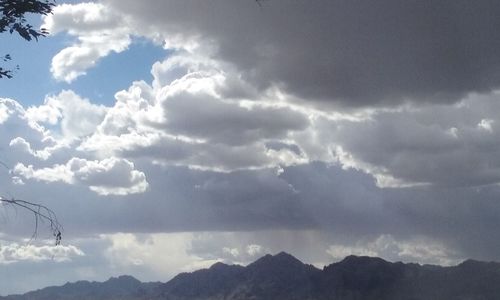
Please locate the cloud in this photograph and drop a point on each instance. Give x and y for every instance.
(254, 250)
(148, 251)
(25, 267)
(205, 110)
(56, 173)
(418, 250)
(28, 140)
(224, 122)
(99, 32)
(439, 145)
(190, 122)
(344, 203)
(13, 253)
(289, 176)
(21, 144)
(349, 53)
(219, 105)
(110, 176)
(78, 117)
(4, 113)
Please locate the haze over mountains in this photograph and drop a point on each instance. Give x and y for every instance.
(282, 276)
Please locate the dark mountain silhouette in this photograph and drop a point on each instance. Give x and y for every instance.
(282, 276)
(271, 277)
(123, 288)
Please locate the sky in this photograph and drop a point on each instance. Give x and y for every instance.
(170, 135)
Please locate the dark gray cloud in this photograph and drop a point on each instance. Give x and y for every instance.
(345, 205)
(442, 145)
(202, 116)
(352, 52)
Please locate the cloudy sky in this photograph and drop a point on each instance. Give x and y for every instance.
(168, 135)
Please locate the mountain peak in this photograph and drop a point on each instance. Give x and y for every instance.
(219, 266)
(362, 258)
(281, 258)
(354, 260)
(123, 278)
(285, 255)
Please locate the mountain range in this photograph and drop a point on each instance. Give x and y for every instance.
(282, 276)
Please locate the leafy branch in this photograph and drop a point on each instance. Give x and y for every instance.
(13, 19)
(5, 72)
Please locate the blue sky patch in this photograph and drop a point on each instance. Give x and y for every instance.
(34, 81)
(117, 71)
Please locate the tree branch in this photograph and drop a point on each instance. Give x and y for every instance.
(13, 20)
(41, 213)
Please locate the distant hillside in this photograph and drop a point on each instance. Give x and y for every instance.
(123, 288)
(282, 276)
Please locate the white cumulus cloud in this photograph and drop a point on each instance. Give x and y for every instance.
(14, 252)
(112, 176)
(78, 117)
(99, 32)
(419, 250)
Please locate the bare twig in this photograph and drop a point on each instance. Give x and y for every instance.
(4, 165)
(42, 214)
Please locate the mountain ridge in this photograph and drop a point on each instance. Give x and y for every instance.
(282, 276)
